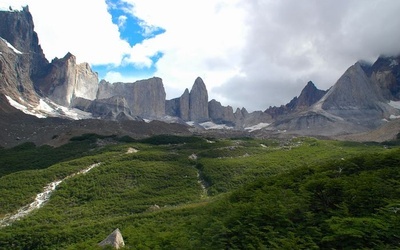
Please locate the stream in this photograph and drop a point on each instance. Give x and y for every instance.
(40, 199)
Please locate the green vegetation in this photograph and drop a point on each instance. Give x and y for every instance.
(170, 192)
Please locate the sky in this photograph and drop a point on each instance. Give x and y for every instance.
(249, 53)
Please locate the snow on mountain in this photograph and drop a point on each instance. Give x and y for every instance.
(10, 46)
(395, 104)
(47, 108)
(257, 127)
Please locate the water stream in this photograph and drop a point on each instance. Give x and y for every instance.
(40, 199)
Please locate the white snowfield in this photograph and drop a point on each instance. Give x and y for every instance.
(47, 108)
(40, 199)
(10, 46)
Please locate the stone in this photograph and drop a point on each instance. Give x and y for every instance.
(114, 240)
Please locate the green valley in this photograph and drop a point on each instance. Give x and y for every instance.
(175, 192)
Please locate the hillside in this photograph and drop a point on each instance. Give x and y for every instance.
(169, 192)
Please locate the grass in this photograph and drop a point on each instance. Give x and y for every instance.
(244, 177)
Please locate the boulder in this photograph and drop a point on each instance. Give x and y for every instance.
(115, 240)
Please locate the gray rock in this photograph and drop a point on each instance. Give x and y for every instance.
(66, 80)
(220, 114)
(184, 102)
(198, 102)
(21, 65)
(145, 98)
(179, 107)
(115, 240)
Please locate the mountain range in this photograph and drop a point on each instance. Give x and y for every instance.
(67, 99)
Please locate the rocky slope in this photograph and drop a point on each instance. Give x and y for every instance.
(354, 104)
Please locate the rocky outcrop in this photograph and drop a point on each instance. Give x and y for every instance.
(18, 29)
(178, 107)
(145, 98)
(191, 106)
(354, 104)
(21, 57)
(385, 73)
(220, 114)
(114, 240)
(353, 91)
(308, 96)
(113, 108)
(198, 101)
(66, 80)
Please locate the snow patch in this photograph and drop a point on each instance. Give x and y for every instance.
(211, 125)
(393, 117)
(48, 108)
(393, 63)
(395, 104)
(10, 46)
(23, 108)
(12, 8)
(257, 127)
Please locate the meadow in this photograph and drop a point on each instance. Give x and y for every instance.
(171, 192)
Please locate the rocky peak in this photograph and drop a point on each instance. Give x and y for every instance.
(198, 101)
(385, 73)
(145, 98)
(184, 105)
(308, 96)
(18, 29)
(220, 114)
(65, 80)
(22, 57)
(353, 91)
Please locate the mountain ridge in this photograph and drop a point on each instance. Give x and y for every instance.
(360, 101)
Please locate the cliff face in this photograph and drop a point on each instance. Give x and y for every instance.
(198, 101)
(145, 98)
(66, 80)
(221, 114)
(385, 73)
(21, 57)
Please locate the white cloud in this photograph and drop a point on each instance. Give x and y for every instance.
(83, 28)
(122, 21)
(249, 53)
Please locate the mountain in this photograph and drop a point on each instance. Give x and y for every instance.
(354, 104)
(64, 80)
(363, 99)
(308, 96)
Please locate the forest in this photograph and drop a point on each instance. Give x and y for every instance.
(175, 192)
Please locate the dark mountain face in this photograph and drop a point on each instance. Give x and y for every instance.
(18, 29)
(385, 73)
(308, 96)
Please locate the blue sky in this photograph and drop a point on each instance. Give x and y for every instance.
(134, 31)
(251, 54)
